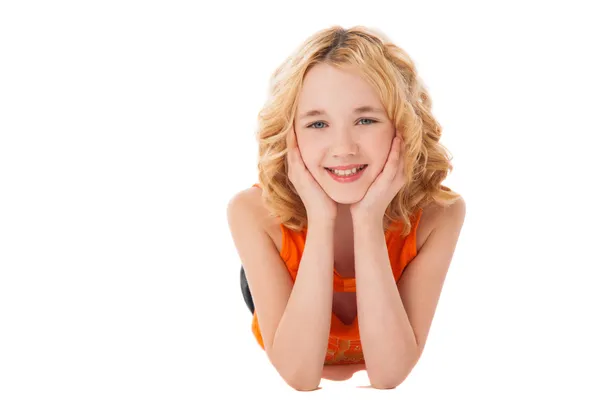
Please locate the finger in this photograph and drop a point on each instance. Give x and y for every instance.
(291, 160)
(295, 149)
(291, 140)
(400, 178)
(401, 148)
(391, 165)
(400, 154)
(395, 159)
(295, 164)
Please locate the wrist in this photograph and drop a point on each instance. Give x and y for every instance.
(360, 220)
(321, 221)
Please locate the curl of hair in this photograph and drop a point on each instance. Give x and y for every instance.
(393, 75)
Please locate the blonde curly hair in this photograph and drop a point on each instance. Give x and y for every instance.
(393, 75)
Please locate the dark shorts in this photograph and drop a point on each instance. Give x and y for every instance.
(246, 290)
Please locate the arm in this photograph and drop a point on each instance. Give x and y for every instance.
(294, 317)
(303, 331)
(395, 317)
(387, 338)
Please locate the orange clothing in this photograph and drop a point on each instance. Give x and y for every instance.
(344, 340)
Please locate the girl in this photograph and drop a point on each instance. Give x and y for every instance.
(346, 240)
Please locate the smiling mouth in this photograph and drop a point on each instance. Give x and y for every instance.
(346, 172)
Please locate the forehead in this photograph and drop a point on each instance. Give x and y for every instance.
(334, 89)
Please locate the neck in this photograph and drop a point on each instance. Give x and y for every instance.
(343, 220)
(344, 217)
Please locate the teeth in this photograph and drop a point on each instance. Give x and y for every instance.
(346, 172)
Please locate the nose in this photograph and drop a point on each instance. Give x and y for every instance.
(344, 146)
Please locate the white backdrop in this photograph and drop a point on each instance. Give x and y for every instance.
(126, 127)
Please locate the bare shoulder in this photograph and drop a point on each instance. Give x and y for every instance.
(268, 279)
(243, 201)
(434, 215)
(248, 204)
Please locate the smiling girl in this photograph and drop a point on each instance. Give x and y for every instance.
(347, 237)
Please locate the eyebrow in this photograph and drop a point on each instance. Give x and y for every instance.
(357, 110)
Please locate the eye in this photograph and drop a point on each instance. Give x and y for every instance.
(368, 119)
(312, 125)
(372, 121)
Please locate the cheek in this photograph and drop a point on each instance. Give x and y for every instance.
(314, 167)
(378, 154)
(310, 156)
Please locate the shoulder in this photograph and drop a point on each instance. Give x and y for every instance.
(244, 202)
(436, 215)
(247, 206)
(453, 214)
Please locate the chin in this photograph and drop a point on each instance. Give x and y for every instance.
(342, 198)
(348, 195)
(345, 193)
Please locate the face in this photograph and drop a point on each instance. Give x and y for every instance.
(340, 137)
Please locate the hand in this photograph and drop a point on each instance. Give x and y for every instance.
(317, 203)
(387, 184)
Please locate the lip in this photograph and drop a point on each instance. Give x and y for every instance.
(344, 167)
(347, 179)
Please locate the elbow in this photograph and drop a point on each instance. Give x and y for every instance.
(387, 384)
(298, 373)
(300, 378)
(387, 380)
(303, 385)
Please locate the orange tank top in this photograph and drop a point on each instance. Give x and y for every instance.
(344, 345)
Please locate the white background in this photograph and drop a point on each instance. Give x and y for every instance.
(127, 126)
